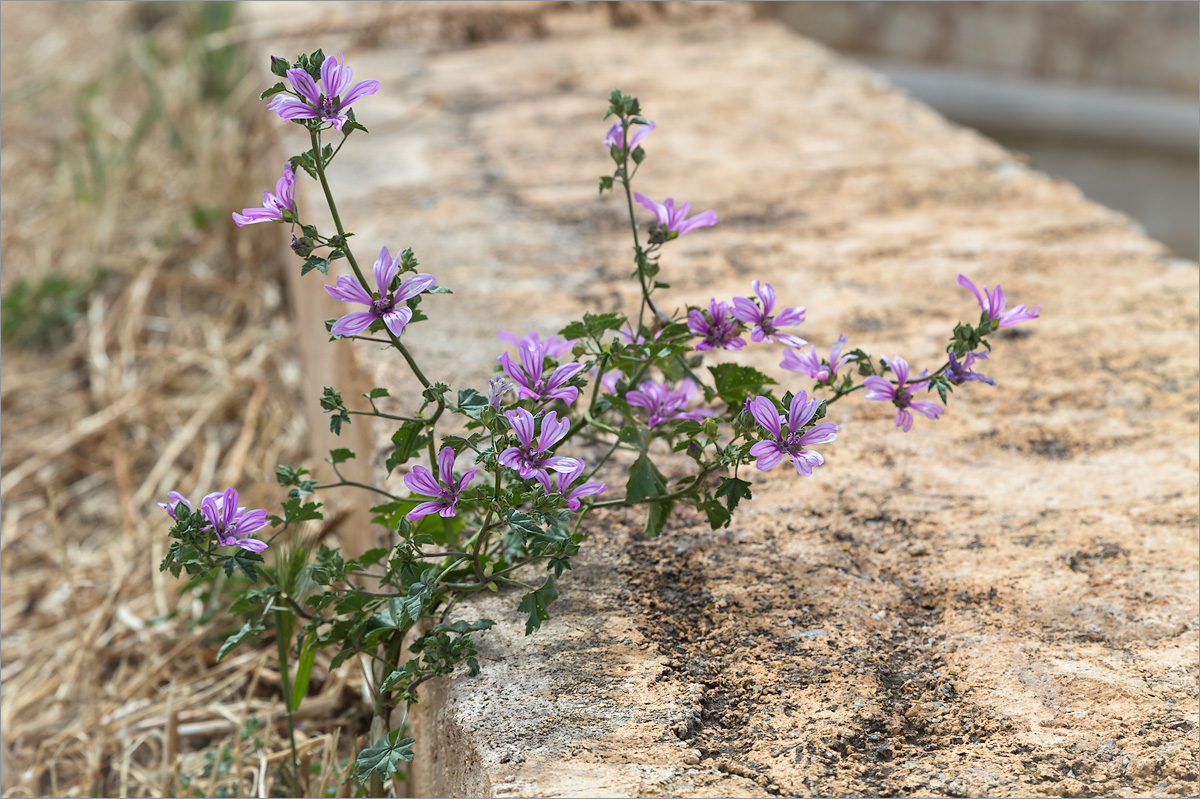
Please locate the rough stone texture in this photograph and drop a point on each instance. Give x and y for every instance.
(1002, 602)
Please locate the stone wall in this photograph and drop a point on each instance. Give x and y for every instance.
(1002, 602)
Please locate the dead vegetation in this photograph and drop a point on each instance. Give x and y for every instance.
(157, 357)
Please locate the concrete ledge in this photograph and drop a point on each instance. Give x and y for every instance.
(1002, 602)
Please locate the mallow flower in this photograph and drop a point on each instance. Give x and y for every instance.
(273, 205)
(443, 488)
(763, 325)
(959, 373)
(616, 135)
(532, 456)
(786, 439)
(993, 302)
(387, 306)
(224, 518)
(326, 101)
(561, 483)
(527, 375)
(666, 405)
(807, 362)
(719, 330)
(674, 220)
(900, 395)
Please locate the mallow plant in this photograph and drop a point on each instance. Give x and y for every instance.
(501, 503)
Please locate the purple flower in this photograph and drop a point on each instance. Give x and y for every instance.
(993, 303)
(899, 395)
(673, 219)
(616, 135)
(528, 375)
(224, 518)
(788, 440)
(719, 329)
(328, 105)
(532, 458)
(387, 306)
(552, 346)
(808, 363)
(562, 480)
(764, 326)
(497, 388)
(445, 490)
(273, 205)
(666, 405)
(959, 373)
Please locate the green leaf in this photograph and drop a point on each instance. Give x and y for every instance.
(734, 382)
(718, 516)
(315, 262)
(383, 757)
(536, 604)
(523, 523)
(304, 671)
(242, 559)
(248, 630)
(376, 393)
(645, 481)
(606, 183)
(407, 440)
(295, 512)
(656, 516)
(734, 491)
(340, 455)
(471, 402)
(276, 89)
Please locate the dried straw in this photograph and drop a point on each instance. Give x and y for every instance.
(175, 377)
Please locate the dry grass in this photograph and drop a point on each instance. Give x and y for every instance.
(128, 136)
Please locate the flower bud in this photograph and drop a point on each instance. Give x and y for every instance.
(302, 246)
(279, 67)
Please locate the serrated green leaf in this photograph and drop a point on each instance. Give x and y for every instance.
(657, 514)
(315, 262)
(645, 481)
(536, 604)
(383, 758)
(340, 455)
(734, 490)
(734, 382)
(276, 89)
(234, 641)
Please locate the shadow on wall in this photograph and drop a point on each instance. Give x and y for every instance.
(1103, 94)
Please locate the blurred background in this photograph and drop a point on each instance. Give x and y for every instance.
(1101, 93)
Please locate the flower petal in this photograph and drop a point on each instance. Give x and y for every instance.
(763, 410)
(385, 270)
(359, 91)
(397, 318)
(414, 286)
(353, 323)
(305, 86)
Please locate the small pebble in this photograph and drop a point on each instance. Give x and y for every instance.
(916, 548)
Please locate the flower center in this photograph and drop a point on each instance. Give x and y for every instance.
(382, 305)
(327, 107)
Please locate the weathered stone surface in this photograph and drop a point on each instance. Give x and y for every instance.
(1002, 602)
